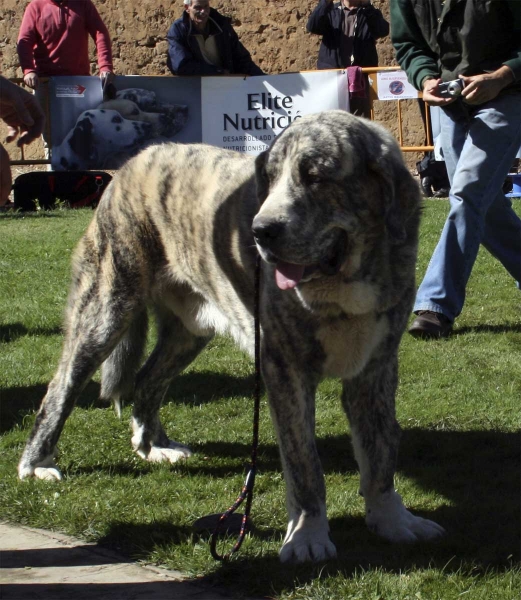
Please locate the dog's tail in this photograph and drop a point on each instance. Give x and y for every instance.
(118, 372)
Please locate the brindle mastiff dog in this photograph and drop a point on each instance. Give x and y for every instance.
(334, 214)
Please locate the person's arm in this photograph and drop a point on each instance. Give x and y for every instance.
(6, 179)
(99, 33)
(412, 51)
(318, 22)
(181, 60)
(242, 60)
(376, 23)
(22, 114)
(25, 46)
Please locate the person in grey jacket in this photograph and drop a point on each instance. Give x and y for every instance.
(477, 44)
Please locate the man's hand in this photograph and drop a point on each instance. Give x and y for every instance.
(431, 93)
(106, 77)
(482, 88)
(21, 112)
(31, 80)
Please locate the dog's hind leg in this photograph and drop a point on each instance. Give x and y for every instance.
(118, 372)
(176, 348)
(102, 304)
(368, 401)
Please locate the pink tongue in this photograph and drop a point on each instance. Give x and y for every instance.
(287, 275)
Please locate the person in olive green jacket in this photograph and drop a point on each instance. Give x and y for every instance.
(478, 44)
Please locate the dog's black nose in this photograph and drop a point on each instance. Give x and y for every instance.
(266, 230)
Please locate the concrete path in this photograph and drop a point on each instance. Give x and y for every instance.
(41, 565)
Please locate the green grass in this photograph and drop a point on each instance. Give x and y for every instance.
(459, 464)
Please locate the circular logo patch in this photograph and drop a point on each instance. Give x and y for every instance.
(396, 88)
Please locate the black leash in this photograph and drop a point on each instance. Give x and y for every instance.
(247, 488)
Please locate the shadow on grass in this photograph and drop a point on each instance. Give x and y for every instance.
(13, 331)
(202, 387)
(18, 402)
(476, 474)
(191, 389)
(484, 328)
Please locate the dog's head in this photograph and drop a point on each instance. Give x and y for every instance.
(333, 188)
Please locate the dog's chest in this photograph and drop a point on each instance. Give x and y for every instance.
(348, 343)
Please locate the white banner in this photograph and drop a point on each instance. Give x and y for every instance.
(246, 114)
(238, 113)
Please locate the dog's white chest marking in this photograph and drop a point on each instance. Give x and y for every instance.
(210, 318)
(349, 344)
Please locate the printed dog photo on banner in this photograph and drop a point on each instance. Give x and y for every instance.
(89, 131)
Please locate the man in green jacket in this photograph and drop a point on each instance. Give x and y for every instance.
(478, 44)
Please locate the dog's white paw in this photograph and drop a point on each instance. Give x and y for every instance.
(172, 454)
(46, 470)
(389, 519)
(307, 550)
(48, 473)
(307, 540)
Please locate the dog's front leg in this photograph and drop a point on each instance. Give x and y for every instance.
(291, 392)
(369, 402)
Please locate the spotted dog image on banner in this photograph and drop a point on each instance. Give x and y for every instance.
(106, 133)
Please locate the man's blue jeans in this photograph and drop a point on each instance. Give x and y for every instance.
(479, 146)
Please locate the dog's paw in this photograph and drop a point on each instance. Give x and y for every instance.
(47, 471)
(307, 540)
(50, 473)
(307, 550)
(173, 453)
(389, 519)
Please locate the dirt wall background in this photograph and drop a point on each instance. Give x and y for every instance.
(274, 31)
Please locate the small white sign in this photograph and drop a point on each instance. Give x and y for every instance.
(393, 85)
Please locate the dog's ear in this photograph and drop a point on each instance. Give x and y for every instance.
(261, 177)
(399, 194)
(81, 141)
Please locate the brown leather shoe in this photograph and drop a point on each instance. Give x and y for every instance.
(429, 324)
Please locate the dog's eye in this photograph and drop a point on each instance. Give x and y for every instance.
(311, 177)
(310, 173)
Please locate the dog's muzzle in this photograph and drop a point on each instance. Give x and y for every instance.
(288, 275)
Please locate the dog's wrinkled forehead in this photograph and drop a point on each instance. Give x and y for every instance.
(325, 141)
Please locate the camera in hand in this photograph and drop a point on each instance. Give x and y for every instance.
(451, 88)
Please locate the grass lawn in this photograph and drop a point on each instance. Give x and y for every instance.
(458, 404)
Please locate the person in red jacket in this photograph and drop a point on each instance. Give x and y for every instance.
(54, 40)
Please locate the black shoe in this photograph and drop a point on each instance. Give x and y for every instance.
(441, 193)
(429, 324)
